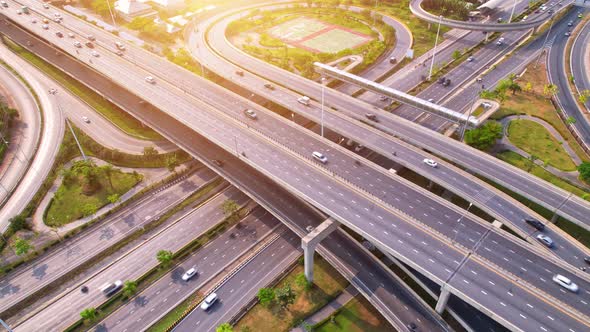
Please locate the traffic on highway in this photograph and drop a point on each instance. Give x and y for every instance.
(401, 202)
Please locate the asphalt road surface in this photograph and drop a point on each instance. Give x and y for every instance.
(260, 154)
(167, 292)
(24, 282)
(557, 75)
(274, 197)
(243, 286)
(61, 312)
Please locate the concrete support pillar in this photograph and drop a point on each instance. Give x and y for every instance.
(430, 184)
(441, 304)
(554, 218)
(308, 253)
(311, 240)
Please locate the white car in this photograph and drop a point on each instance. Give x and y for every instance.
(500, 41)
(209, 301)
(189, 274)
(486, 104)
(95, 54)
(304, 100)
(77, 44)
(46, 6)
(470, 59)
(45, 27)
(250, 113)
(319, 157)
(430, 163)
(545, 240)
(71, 35)
(150, 79)
(565, 283)
(86, 119)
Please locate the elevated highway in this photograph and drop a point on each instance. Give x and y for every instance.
(486, 197)
(289, 167)
(527, 185)
(416, 8)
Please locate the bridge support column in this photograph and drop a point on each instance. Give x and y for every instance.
(443, 298)
(311, 240)
(554, 218)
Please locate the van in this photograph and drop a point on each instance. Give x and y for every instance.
(109, 289)
(319, 157)
(304, 100)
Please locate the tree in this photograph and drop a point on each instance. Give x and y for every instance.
(550, 90)
(108, 171)
(21, 246)
(266, 296)
(570, 120)
(89, 209)
(164, 257)
(114, 198)
(149, 151)
(584, 95)
(129, 288)
(225, 327)
(172, 162)
(17, 223)
(456, 54)
(285, 296)
(530, 162)
(485, 136)
(229, 207)
(584, 169)
(88, 314)
(302, 281)
(528, 87)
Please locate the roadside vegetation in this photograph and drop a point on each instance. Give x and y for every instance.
(423, 32)
(358, 315)
(300, 60)
(7, 116)
(86, 188)
(533, 138)
(484, 137)
(452, 9)
(117, 116)
(294, 299)
(533, 98)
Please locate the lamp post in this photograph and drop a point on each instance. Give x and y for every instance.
(435, 44)
(459, 221)
(323, 81)
(512, 12)
(544, 43)
(469, 115)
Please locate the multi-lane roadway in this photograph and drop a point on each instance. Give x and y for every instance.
(260, 153)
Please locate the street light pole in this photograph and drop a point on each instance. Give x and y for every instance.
(468, 116)
(512, 13)
(459, 221)
(323, 80)
(435, 44)
(544, 43)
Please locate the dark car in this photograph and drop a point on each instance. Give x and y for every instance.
(535, 223)
(89, 44)
(239, 73)
(59, 34)
(441, 80)
(587, 259)
(269, 86)
(371, 117)
(447, 82)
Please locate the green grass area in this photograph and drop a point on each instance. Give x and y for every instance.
(519, 161)
(7, 116)
(117, 116)
(327, 285)
(269, 25)
(534, 103)
(358, 315)
(78, 192)
(533, 138)
(424, 36)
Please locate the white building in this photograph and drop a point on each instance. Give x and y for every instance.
(130, 9)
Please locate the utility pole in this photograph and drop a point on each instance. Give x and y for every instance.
(434, 50)
(512, 12)
(323, 81)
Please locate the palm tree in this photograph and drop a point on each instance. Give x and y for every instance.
(108, 171)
